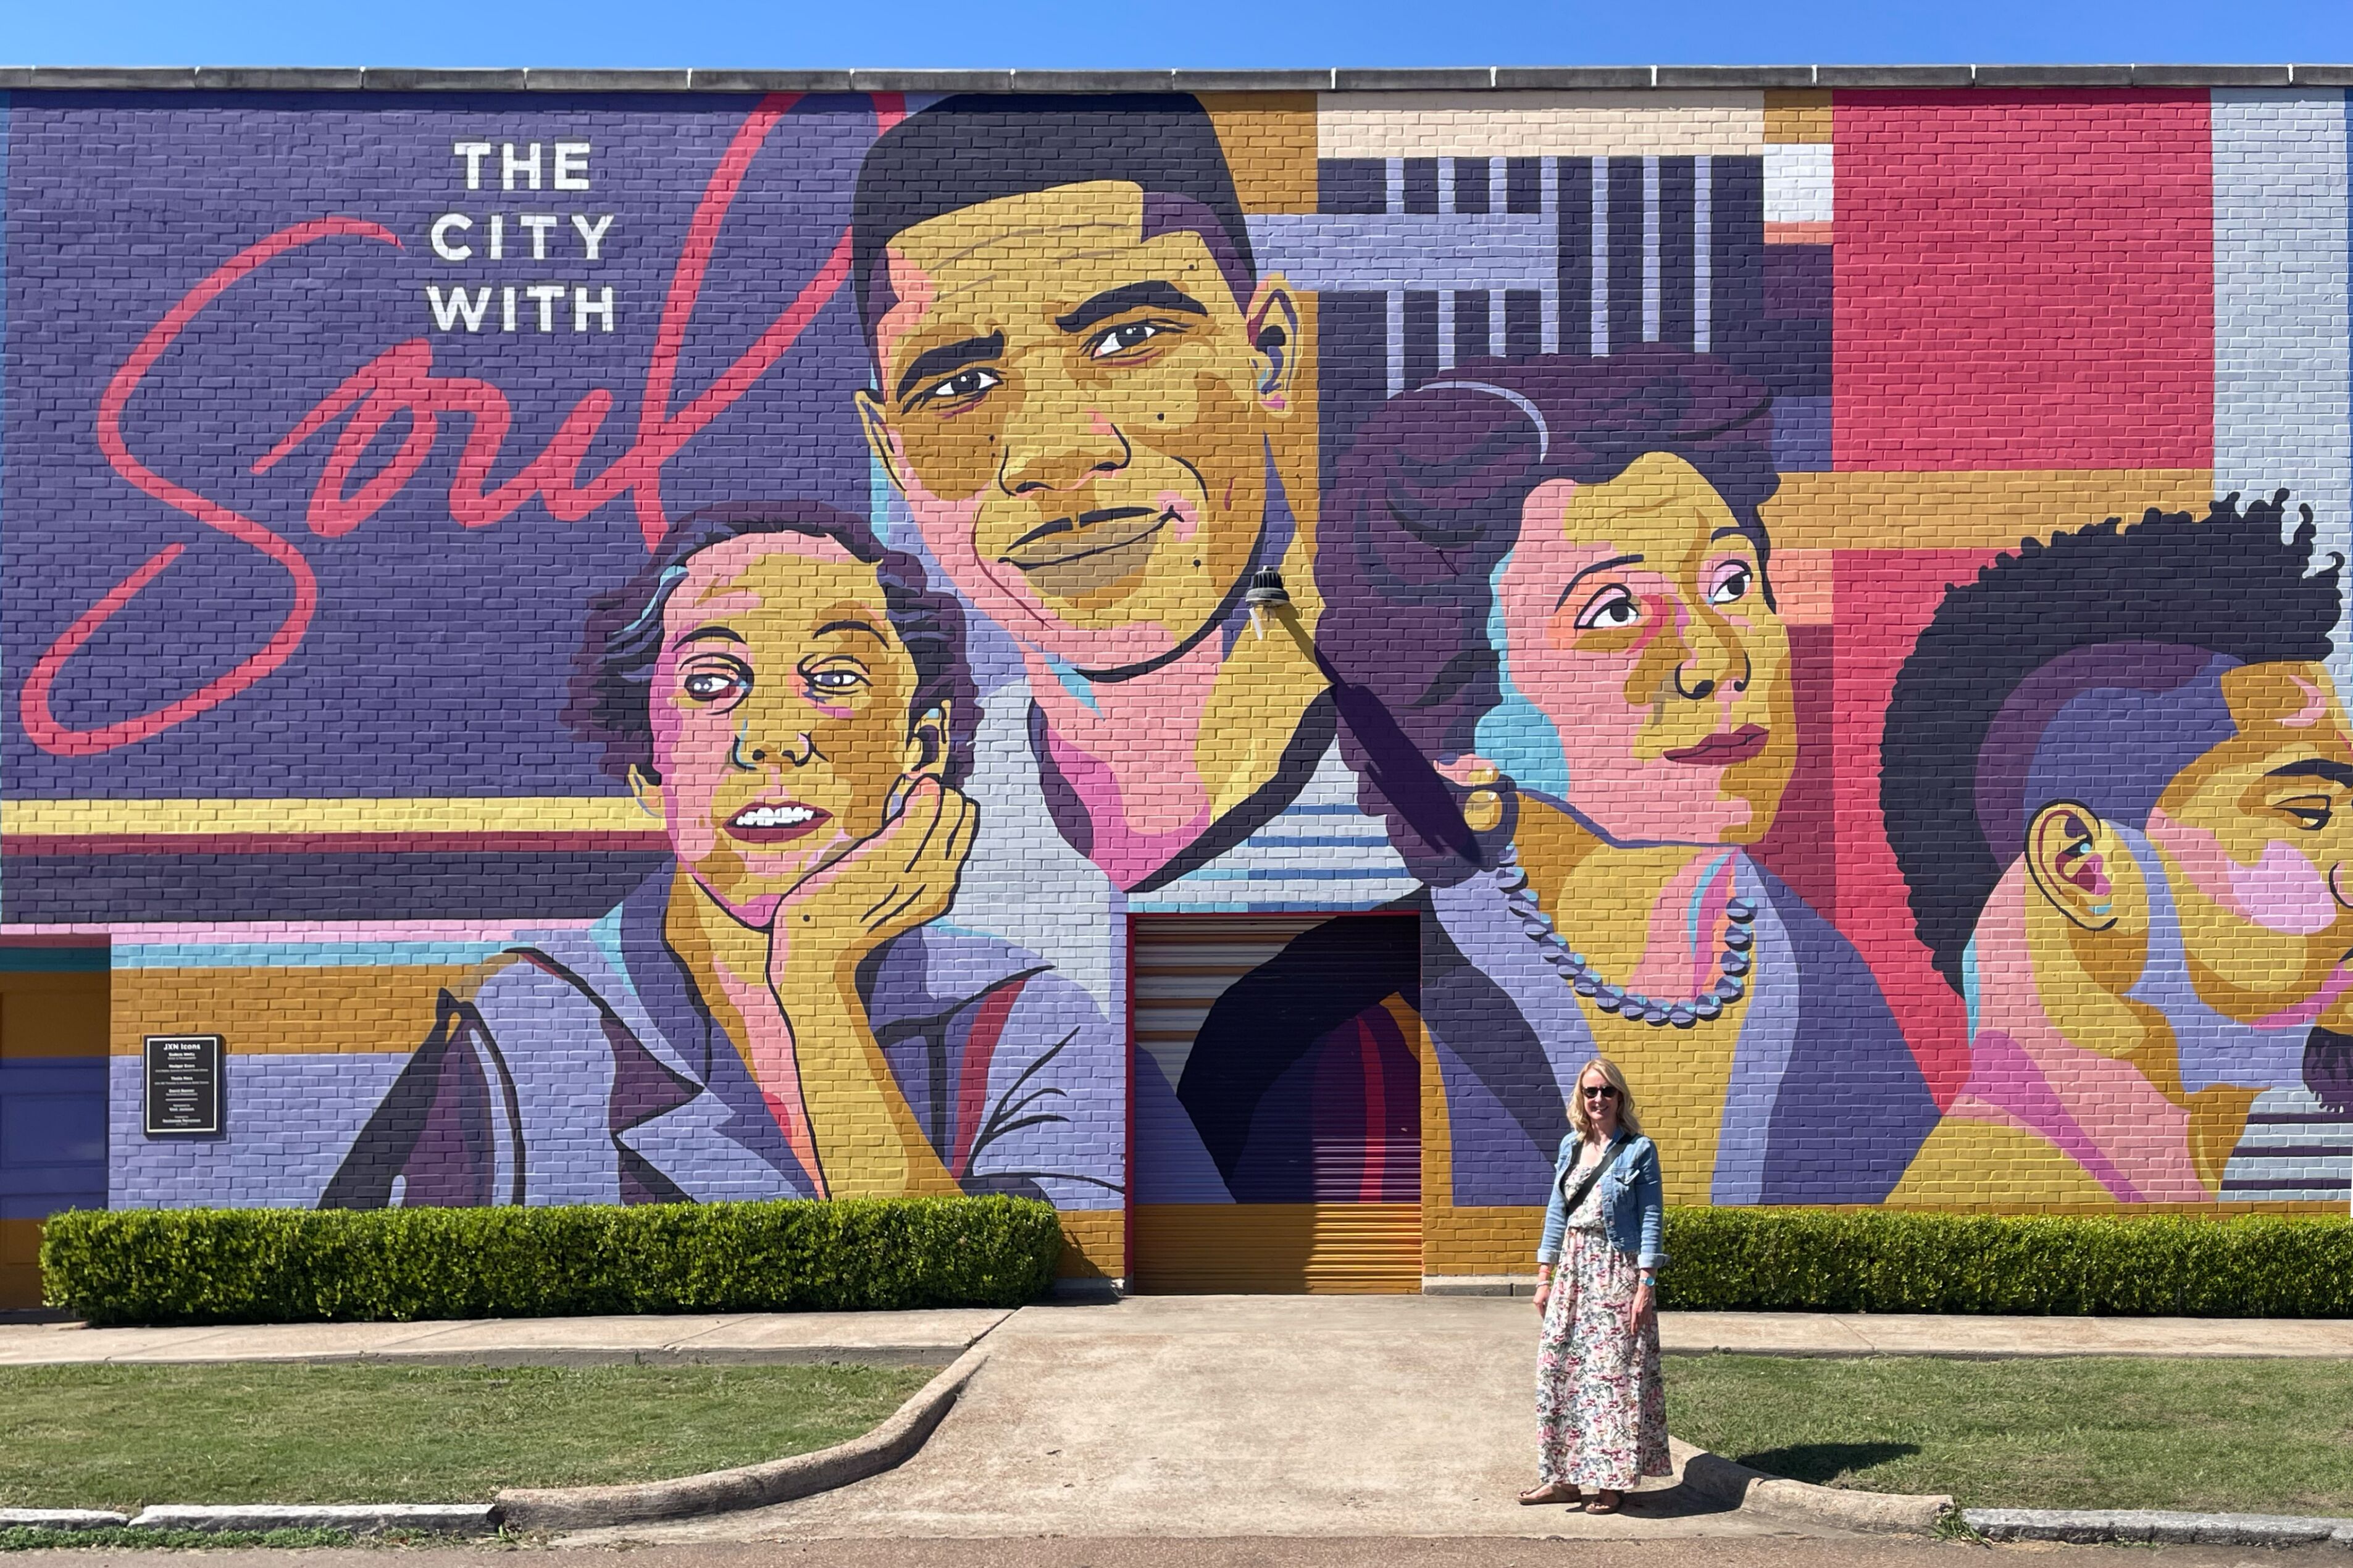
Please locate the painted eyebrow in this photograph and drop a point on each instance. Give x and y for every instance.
(1153, 294)
(1589, 571)
(709, 633)
(2317, 768)
(851, 626)
(945, 361)
(1739, 530)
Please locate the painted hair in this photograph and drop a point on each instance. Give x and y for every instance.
(2120, 632)
(1427, 504)
(983, 147)
(1582, 1120)
(613, 672)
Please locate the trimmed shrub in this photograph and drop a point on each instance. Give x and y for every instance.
(258, 1265)
(1889, 1260)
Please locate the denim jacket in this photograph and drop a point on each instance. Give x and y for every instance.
(1633, 1212)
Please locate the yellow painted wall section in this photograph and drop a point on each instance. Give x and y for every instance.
(44, 1015)
(20, 1264)
(285, 1012)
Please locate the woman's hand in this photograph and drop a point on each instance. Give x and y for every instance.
(1544, 1289)
(866, 1139)
(1640, 1306)
(884, 885)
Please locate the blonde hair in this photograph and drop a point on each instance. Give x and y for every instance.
(1582, 1120)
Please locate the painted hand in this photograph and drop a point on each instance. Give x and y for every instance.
(881, 887)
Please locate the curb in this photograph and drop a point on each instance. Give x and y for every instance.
(61, 1519)
(749, 1486)
(1879, 1514)
(360, 1519)
(2144, 1525)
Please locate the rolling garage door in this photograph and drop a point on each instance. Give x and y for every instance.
(1278, 1110)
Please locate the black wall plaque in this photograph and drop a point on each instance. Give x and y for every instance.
(184, 1083)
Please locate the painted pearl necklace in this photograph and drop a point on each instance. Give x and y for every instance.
(1732, 967)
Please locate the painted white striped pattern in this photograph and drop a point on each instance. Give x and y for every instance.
(1321, 853)
(2293, 1150)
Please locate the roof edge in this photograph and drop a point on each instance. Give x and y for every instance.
(1469, 79)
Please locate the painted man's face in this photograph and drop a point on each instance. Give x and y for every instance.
(2257, 838)
(779, 710)
(1076, 413)
(1636, 622)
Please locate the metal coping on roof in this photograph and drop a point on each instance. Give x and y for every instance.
(1506, 78)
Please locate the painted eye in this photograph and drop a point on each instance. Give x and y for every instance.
(1613, 611)
(1732, 585)
(713, 685)
(961, 387)
(2312, 813)
(836, 679)
(1121, 339)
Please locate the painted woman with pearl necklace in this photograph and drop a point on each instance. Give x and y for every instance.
(1554, 573)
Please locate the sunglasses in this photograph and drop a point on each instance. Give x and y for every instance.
(1606, 1091)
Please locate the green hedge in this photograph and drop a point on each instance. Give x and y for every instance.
(1883, 1260)
(255, 1266)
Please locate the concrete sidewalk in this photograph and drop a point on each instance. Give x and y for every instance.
(936, 1338)
(1231, 1415)
(926, 1339)
(1989, 1338)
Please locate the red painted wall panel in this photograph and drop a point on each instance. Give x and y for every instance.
(2025, 280)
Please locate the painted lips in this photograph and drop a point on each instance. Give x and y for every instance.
(1722, 751)
(764, 825)
(1070, 556)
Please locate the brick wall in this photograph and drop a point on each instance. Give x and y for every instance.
(644, 646)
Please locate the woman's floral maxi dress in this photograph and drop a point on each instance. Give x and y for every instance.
(1602, 1405)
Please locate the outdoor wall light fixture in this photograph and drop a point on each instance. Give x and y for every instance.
(1266, 593)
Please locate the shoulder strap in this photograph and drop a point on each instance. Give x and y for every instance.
(1618, 1146)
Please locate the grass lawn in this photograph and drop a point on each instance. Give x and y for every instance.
(2239, 1437)
(123, 1436)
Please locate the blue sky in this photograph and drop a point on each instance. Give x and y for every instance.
(1194, 32)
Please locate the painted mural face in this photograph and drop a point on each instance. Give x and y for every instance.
(1637, 624)
(779, 713)
(2257, 835)
(1075, 412)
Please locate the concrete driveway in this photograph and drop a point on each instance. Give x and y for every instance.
(1231, 1415)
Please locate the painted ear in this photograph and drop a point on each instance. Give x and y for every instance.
(927, 743)
(875, 421)
(2072, 857)
(649, 791)
(1273, 323)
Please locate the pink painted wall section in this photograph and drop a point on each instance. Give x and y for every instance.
(1885, 597)
(2025, 280)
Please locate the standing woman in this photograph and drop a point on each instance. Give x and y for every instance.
(1601, 1406)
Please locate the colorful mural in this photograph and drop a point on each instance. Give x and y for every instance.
(657, 647)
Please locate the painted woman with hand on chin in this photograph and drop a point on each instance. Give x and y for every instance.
(1554, 575)
(777, 1014)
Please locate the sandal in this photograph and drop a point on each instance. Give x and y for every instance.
(1552, 1491)
(1608, 1502)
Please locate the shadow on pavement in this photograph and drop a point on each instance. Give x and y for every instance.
(1680, 1501)
(1824, 1463)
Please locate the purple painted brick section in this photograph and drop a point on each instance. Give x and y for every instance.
(289, 1120)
